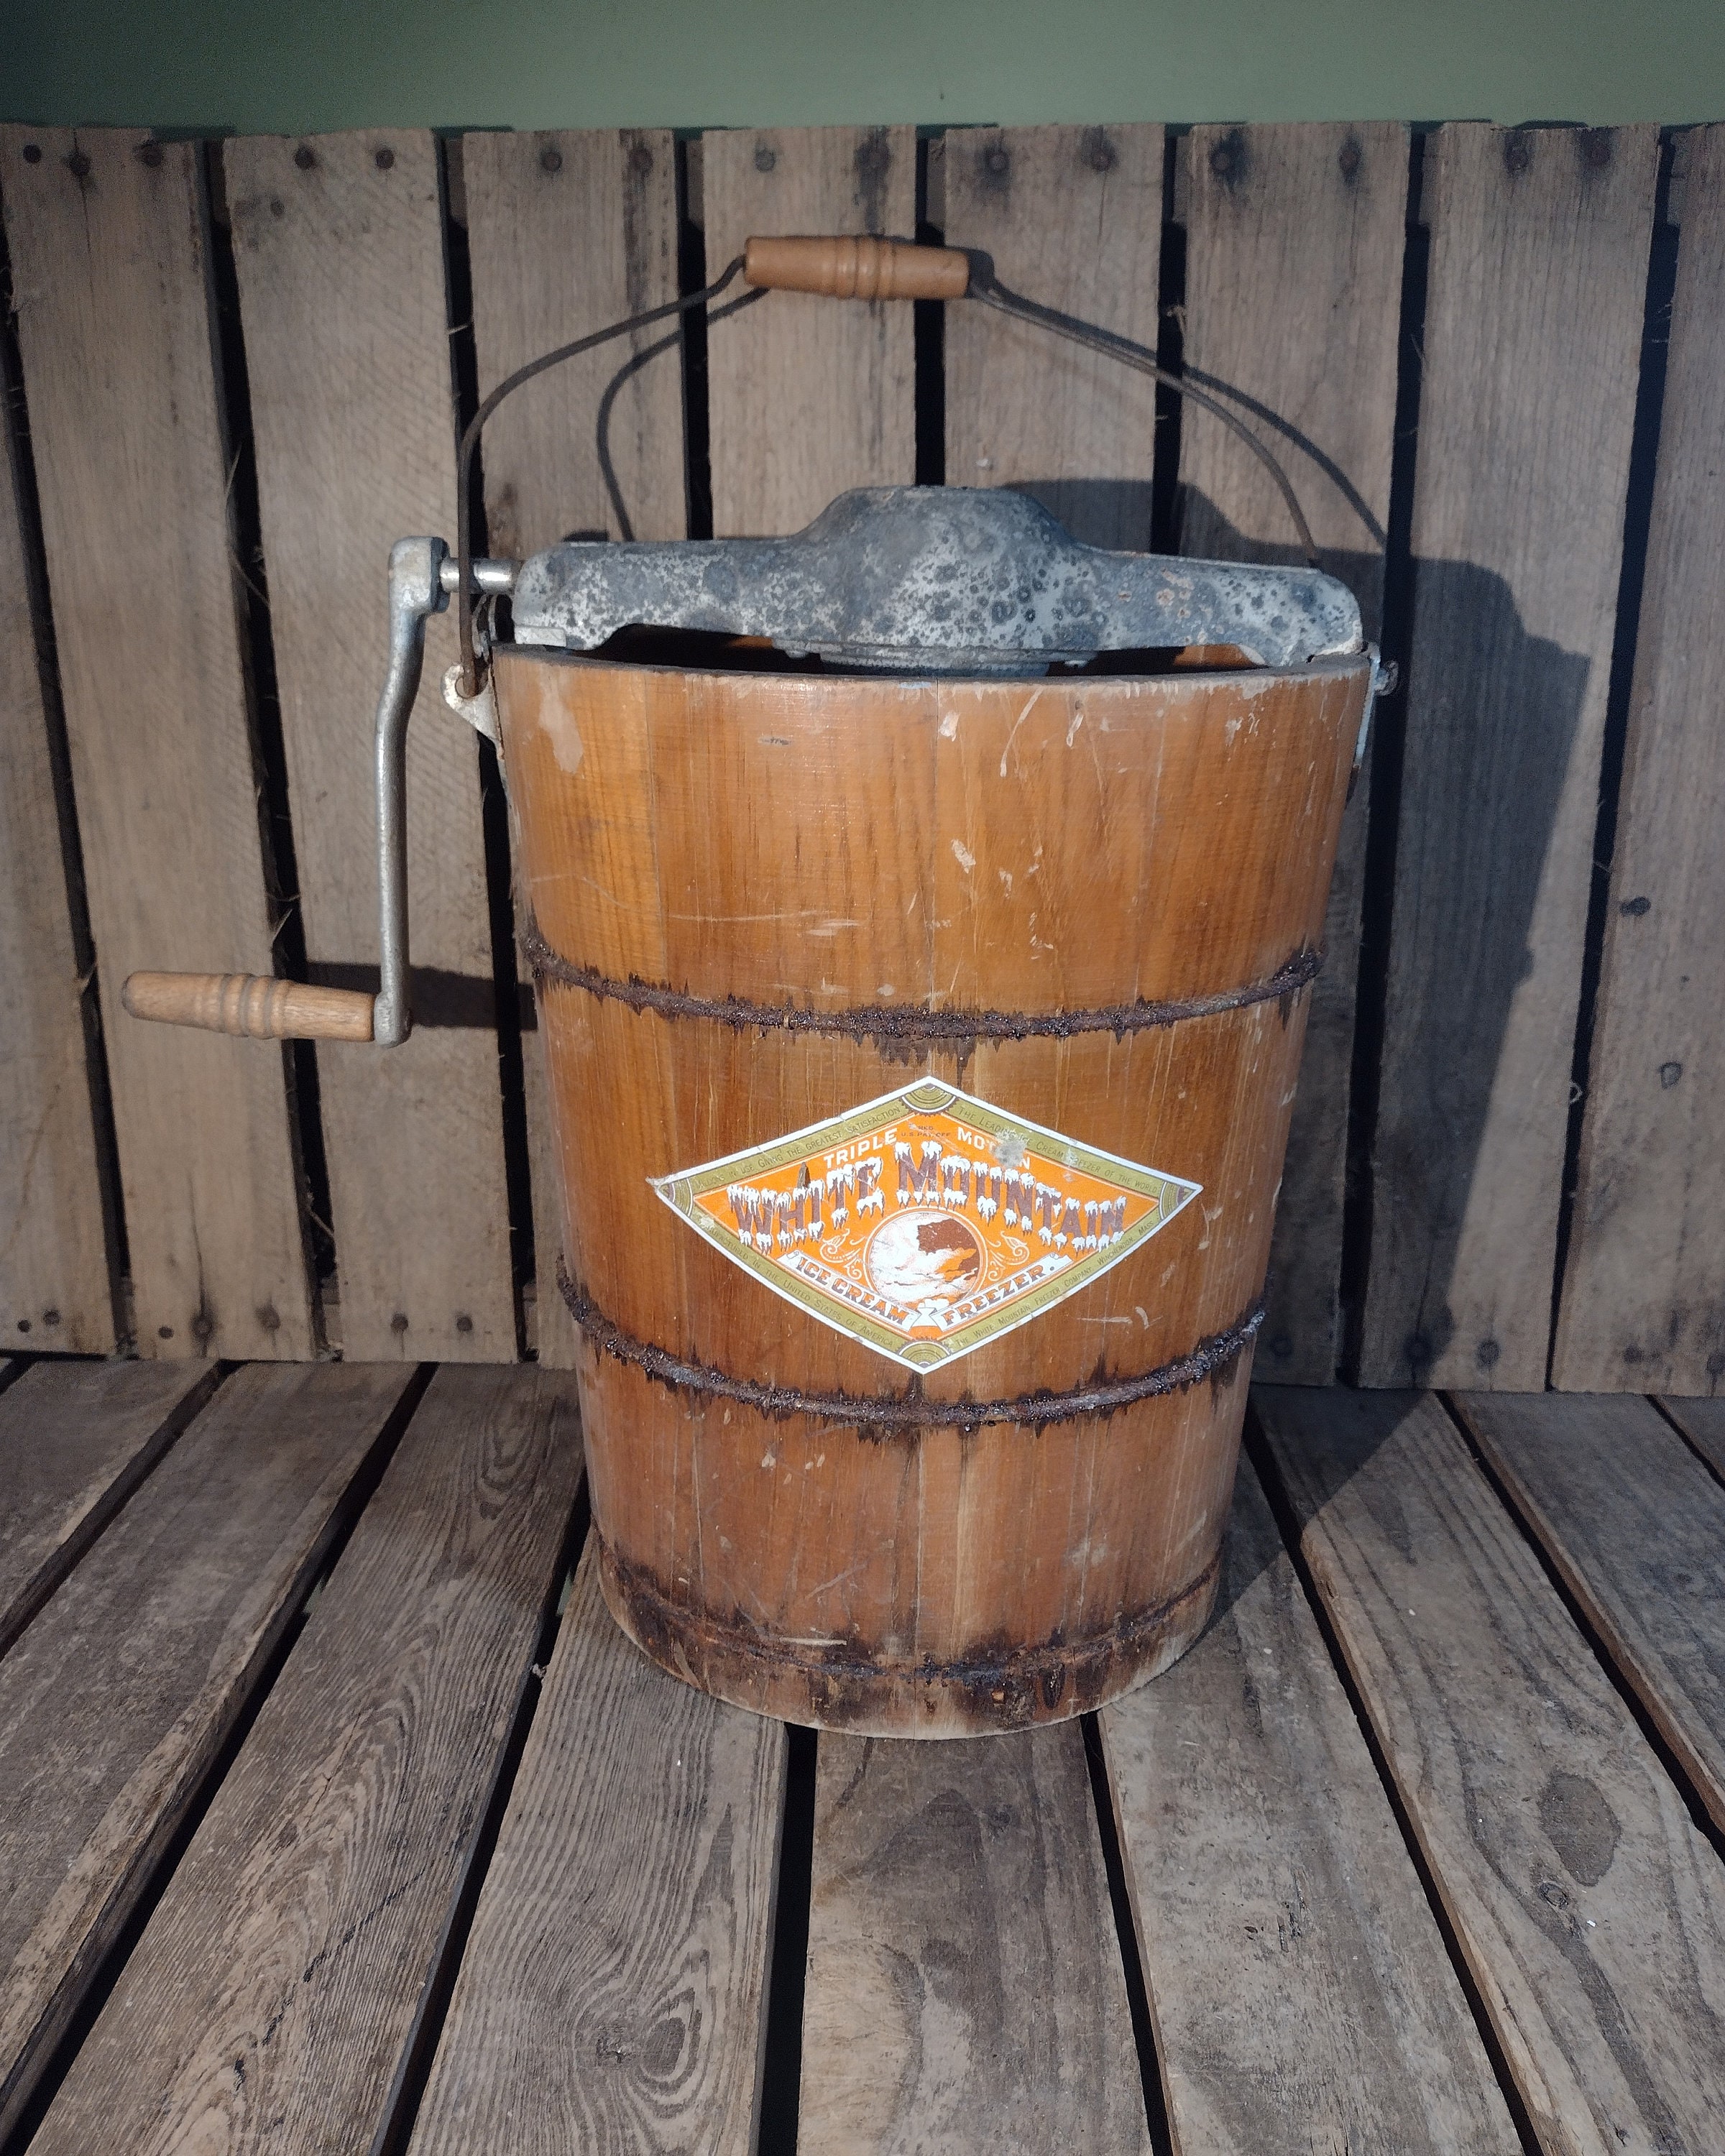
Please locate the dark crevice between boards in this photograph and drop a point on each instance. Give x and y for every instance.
(691, 277)
(1637, 521)
(101, 1514)
(281, 874)
(1706, 1459)
(161, 1868)
(13, 1367)
(1258, 1452)
(17, 448)
(512, 1020)
(928, 319)
(781, 2051)
(1126, 1930)
(413, 2069)
(1620, 1683)
(1170, 353)
(1388, 747)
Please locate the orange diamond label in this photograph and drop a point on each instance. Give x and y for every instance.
(925, 1223)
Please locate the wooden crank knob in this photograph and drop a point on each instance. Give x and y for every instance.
(256, 1006)
(857, 268)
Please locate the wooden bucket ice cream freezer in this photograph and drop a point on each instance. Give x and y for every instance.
(923, 912)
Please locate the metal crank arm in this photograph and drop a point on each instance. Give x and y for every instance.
(262, 1006)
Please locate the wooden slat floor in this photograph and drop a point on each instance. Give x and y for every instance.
(334, 1814)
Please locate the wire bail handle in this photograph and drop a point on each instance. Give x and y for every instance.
(846, 267)
(423, 578)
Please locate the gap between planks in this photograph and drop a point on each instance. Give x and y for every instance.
(1535, 303)
(1633, 1525)
(282, 1980)
(1588, 1906)
(119, 1697)
(112, 287)
(1301, 1990)
(76, 1439)
(612, 1994)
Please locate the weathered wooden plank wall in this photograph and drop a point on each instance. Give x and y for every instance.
(1644, 1296)
(1315, 216)
(111, 279)
(339, 247)
(606, 205)
(1436, 1198)
(1072, 216)
(807, 398)
(1539, 246)
(53, 1270)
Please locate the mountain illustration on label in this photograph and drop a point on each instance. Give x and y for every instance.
(925, 1224)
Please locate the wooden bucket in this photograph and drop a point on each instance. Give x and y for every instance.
(760, 899)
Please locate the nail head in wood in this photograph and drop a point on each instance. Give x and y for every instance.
(1100, 154)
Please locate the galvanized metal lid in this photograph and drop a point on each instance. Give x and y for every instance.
(933, 580)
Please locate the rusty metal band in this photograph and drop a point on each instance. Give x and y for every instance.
(910, 1022)
(900, 1411)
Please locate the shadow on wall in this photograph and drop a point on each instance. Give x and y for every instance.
(1099, 512)
(1304, 1323)
(1469, 768)
(1491, 720)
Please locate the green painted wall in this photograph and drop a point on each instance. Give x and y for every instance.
(295, 66)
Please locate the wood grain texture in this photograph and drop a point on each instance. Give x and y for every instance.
(1643, 1306)
(964, 1987)
(807, 396)
(1538, 273)
(568, 232)
(1636, 1526)
(1301, 1993)
(342, 290)
(1589, 1906)
(279, 1980)
(1702, 1422)
(1294, 242)
(612, 1994)
(840, 844)
(76, 1439)
(112, 274)
(1072, 217)
(55, 1290)
(252, 1006)
(116, 1700)
(856, 267)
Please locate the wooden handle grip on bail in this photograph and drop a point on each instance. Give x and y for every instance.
(857, 268)
(256, 1006)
